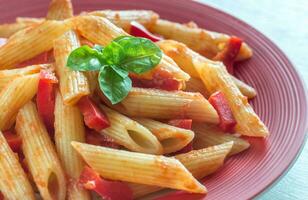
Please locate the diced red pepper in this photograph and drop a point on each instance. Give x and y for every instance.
(13, 140)
(138, 30)
(2, 41)
(185, 124)
(45, 98)
(1, 195)
(95, 138)
(181, 123)
(110, 190)
(220, 103)
(229, 53)
(94, 117)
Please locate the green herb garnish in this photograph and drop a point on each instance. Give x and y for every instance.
(123, 55)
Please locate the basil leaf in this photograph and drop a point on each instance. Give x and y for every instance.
(121, 72)
(133, 54)
(114, 84)
(85, 59)
(98, 48)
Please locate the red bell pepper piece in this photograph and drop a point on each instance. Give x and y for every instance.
(95, 138)
(94, 117)
(13, 140)
(185, 124)
(1, 195)
(229, 53)
(220, 103)
(2, 41)
(45, 98)
(110, 190)
(138, 30)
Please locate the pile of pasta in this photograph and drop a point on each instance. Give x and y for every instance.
(50, 150)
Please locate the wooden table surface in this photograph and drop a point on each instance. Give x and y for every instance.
(285, 22)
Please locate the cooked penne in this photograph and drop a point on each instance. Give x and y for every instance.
(13, 183)
(215, 77)
(122, 18)
(208, 135)
(69, 126)
(73, 84)
(139, 168)
(35, 40)
(40, 154)
(171, 137)
(6, 30)
(185, 59)
(196, 85)
(130, 133)
(60, 10)
(8, 75)
(92, 77)
(160, 104)
(101, 31)
(29, 20)
(200, 163)
(14, 95)
(205, 42)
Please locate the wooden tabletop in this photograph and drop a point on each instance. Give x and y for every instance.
(286, 24)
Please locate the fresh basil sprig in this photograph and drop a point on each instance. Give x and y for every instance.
(123, 55)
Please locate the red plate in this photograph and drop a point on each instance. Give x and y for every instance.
(281, 101)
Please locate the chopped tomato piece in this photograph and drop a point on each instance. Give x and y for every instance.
(111, 190)
(229, 53)
(220, 103)
(94, 117)
(2, 41)
(95, 138)
(185, 124)
(1, 195)
(181, 123)
(138, 30)
(45, 98)
(13, 140)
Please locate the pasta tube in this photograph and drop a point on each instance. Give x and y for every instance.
(60, 10)
(139, 168)
(6, 30)
(205, 42)
(130, 133)
(13, 183)
(123, 18)
(35, 40)
(8, 75)
(101, 31)
(73, 84)
(160, 104)
(200, 163)
(69, 127)
(208, 135)
(185, 59)
(40, 154)
(15, 95)
(216, 78)
(171, 137)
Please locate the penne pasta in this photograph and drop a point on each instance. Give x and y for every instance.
(200, 163)
(185, 59)
(101, 31)
(69, 126)
(196, 85)
(8, 75)
(60, 10)
(6, 30)
(15, 95)
(205, 42)
(130, 133)
(123, 18)
(13, 183)
(160, 104)
(40, 154)
(92, 77)
(171, 137)
(73, 84)
(208, 135)
(139, 168)
(215, 77)
(29, 20)
(35, 40)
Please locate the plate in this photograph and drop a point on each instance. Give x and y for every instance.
(281, 102)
